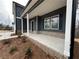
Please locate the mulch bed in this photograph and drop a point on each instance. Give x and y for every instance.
(76, 49)
(21, 48)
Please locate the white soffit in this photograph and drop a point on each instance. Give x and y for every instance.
(29, 6)
(47, 6)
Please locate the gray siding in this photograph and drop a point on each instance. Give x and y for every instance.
(40, 24)
(61, 12)
(18, 26)
(34, 23)
(62, 16)
(19, 10)
(24, 25)
(57, 33)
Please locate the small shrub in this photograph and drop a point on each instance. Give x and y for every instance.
(23, 39)
(12, 50)
(28, 53)
(19, 36)
(6, 42)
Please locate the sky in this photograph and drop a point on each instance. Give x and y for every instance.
(6, 16)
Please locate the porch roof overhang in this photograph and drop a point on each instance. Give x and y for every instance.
(41, 7)
(30, 6)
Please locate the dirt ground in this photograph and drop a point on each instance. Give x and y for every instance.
(76, 49)
(8, 50)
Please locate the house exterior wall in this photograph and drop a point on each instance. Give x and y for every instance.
(18, 26)
(62, 17)
(77, 22)
(24, 25)
(61, 12)
(18, 11)
(34, 25)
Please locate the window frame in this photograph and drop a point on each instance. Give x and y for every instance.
(58, 22)
(49, 23)
(50, 26)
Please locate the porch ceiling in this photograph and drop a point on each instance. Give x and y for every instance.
(29, 6)
(46, 7)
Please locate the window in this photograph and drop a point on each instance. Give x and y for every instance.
(55, 22)
(47, 23)
(52, 22)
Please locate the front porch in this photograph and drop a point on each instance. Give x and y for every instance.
(57, 17)
(50, 44)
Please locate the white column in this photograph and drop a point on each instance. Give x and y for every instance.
(27, 24)
(68, 27)
(22, 25)
(14, 26)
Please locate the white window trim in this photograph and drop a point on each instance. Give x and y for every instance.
(50, 28)
(58, 22)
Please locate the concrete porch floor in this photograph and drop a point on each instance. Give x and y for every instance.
(51, 45)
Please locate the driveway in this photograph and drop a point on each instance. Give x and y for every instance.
(5, 34)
